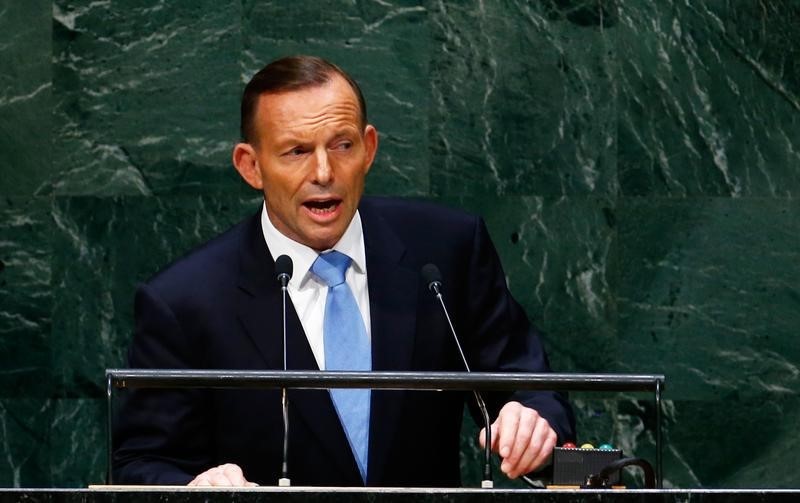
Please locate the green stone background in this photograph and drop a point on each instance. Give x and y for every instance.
(637, 162)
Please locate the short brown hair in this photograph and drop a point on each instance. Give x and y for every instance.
(291, 73)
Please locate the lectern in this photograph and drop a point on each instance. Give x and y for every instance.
(430, 381)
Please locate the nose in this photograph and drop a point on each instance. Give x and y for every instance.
(323, 173)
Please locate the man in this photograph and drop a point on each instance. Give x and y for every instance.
(308, 147)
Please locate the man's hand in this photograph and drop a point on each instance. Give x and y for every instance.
(228, 475)
(522, 438)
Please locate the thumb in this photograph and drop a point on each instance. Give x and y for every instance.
(482, 436)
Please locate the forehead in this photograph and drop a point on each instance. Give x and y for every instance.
(307, 109)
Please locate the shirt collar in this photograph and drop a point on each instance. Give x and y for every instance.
(351, 244)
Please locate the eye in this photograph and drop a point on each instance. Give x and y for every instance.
(343, 145)
(296, 151)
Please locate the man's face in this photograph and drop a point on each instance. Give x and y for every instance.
(310, 159)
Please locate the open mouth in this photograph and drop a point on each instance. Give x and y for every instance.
(322, 207)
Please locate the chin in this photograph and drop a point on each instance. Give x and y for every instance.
(322, 244)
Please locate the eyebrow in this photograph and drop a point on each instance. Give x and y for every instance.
(290, 138)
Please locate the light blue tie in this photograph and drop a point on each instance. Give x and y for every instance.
(347, 347)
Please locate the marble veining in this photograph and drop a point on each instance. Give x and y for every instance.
(637, 163)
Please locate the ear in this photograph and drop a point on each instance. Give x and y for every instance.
(246, 163)
(370, 145)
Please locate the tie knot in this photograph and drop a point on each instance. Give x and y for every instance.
(331, 267)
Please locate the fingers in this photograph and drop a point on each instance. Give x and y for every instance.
(482, 437)
(541, 446)
(547, 450)
(516, 440)
(503, 429)
(523, 439)
(227, 475)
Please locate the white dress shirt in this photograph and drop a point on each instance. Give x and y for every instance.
(307, 292)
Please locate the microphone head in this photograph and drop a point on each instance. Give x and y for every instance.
(283, 268)
(432, 277)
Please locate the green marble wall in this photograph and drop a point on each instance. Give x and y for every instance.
(637, 162)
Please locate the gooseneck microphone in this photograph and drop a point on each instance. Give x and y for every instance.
(283, 273)
(283, 270)
(433, 277)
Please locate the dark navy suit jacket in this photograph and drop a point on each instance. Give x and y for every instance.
(220, 308)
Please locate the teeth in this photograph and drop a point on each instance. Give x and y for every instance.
(321, 207)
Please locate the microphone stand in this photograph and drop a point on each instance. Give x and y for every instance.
(284, 481)
(284, 267)
(435, 285)
(487, 482)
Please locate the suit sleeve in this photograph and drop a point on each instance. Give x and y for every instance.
(160, 436)
(502, 339)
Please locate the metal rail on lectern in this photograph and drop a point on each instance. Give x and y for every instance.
(431, 381)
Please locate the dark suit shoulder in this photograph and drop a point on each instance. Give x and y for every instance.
(421, 221)
(417, 209)
(207, 266)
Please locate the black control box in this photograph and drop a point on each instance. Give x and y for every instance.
(571, 466)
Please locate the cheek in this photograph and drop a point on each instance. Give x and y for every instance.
(355, 170)
(282, 187)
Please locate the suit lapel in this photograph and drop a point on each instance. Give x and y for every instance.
(393, 300)
(260, 312)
